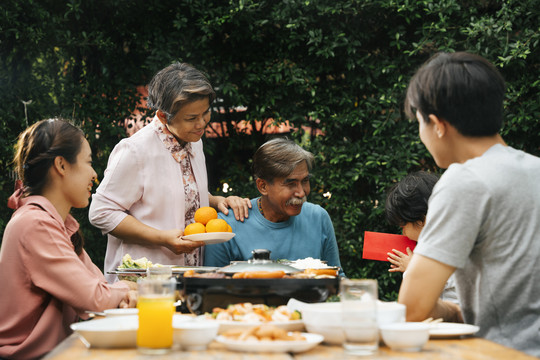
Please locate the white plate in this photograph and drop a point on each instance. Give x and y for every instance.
(446, 329)
(115, 331)
(121, 312)
(311, 341)
(175, 270)
(111, 332)
(292, 325)
(210, 238)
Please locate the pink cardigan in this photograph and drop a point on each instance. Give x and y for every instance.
(44, 284)
(144, 180)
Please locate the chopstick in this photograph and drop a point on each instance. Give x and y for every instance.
(95, 313)
(431, 321)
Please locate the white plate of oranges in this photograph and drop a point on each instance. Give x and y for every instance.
(210, 238)
(208, 228)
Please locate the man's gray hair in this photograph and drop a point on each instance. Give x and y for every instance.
(176, 85)
(278, 158)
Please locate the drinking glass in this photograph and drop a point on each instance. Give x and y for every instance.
(156, 309)
(359, 316)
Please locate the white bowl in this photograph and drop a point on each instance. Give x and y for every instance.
(121, 312)
(114, 332)
(194, 335)
(318, 317)
(332, 334)
(407, 336)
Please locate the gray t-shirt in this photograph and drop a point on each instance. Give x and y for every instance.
(484, 219)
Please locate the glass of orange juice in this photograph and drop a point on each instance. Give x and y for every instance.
(156, 309)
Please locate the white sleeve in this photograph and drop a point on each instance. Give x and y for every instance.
(121, 187)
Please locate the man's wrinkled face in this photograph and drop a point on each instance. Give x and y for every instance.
(286, 195)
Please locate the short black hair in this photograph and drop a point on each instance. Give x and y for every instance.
(462, 88)
(407, 200)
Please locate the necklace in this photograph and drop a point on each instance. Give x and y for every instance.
(259, 205)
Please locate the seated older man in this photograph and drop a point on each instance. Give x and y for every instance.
(280, 219)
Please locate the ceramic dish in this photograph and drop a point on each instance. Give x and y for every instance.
(446, 330)
(311, 341)
(194, 335)
(117, 331)
(210, 238)
(405, 336)
(175, 270)
(121, 312)
(113, 332)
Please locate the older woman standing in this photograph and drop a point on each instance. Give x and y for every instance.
(47, 278)
(156, 179)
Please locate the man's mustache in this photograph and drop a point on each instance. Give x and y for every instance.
(296, 201)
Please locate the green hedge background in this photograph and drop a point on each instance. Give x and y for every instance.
(340, 67)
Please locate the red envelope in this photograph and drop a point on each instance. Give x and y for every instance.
(378, 245)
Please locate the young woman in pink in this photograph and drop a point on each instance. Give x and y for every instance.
(46, 277)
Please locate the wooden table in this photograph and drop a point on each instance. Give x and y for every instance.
(448, 349)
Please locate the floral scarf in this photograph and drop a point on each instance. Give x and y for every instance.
(182, 153)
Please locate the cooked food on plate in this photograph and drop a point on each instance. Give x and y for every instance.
(141, 263)
(264, 332)
(248, 312)
(309, 263)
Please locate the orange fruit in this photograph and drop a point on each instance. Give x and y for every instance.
(195, 228)
(229, 228)
(217, 225)
(205, 214)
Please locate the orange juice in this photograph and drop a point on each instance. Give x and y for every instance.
(155, 321)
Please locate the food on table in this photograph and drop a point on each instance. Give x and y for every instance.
(141, 263)
(278, 274)
(129, 263)
(248, 312)
(309, 263)
(208, 275)
(194, 228)
(264, 332)
(318, 272)
(204, 214)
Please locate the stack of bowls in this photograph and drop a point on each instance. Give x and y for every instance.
(325, 318)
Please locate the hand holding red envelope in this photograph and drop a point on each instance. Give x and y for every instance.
(377, 245)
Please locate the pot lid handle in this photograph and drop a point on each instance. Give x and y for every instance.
(261, 254)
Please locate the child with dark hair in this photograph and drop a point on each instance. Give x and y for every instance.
(406, 207)
(47, 278)
(483, 221)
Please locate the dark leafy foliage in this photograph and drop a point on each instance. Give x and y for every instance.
(338, 67)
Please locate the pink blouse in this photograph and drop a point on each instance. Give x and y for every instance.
(45, 286)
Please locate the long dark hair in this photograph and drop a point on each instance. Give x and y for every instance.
(35, 151)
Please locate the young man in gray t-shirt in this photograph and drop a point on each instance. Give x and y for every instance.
(483, 220)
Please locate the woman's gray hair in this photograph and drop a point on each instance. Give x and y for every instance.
(176, 85)
(278, 158)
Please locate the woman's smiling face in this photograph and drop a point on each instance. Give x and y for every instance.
(80, 177)
(189, 123)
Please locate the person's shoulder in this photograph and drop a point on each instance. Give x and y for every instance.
(197, 145)
(31, 217)
(313, 210)
(229, 217)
